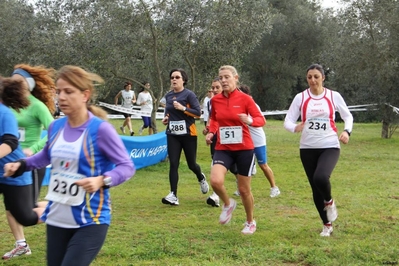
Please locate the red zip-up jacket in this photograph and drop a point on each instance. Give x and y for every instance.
(224, 113)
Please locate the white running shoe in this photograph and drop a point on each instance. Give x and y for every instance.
(213, 200)
(327, 230)
(227, 212)
(332, 212)
(171, 199)
(236, 193)
(122, 129)
(204, 185)
(17, 251)
(249, 228)
(274, 192)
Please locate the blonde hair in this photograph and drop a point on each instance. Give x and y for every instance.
(232, 69)
(83, 80)
(44, 79)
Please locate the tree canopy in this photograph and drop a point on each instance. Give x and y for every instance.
(270, 42)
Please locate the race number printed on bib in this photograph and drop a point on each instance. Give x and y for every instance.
(317, 125)
(178, 127)
(230, 135)
(62, 188)
(21, 134)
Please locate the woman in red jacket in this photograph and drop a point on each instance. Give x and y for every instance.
(231, 113)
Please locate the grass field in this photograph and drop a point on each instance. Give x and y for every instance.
(146, 232)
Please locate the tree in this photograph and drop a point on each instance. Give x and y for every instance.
(16, 44)
(277, 65)
(366, 62)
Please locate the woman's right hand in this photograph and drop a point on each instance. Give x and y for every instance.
(299, 127)
(209, 138)
(11, 168)
(165, 120)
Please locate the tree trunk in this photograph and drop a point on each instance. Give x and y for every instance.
(385, 129)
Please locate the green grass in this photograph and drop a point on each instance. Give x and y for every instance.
(146, 232)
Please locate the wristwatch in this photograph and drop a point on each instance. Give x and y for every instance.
(107, 181)
(347, 131)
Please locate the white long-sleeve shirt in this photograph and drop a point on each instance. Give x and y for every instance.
(317, 112)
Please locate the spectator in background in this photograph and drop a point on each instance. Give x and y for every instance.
(205, 106)
(128, 99)
(144, 99)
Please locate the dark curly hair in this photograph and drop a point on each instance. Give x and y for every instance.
(12, 94)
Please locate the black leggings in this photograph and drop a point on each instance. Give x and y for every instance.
(175, 146)
(318, 165)
(18, 200)
(74, 246)
(37, 180)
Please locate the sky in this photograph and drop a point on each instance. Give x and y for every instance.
(330, 3)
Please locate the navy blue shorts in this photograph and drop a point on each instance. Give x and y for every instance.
(244, 160)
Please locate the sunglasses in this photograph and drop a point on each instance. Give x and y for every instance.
(175, 77)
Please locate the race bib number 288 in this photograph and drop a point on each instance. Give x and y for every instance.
(178, 127)
(62, 188)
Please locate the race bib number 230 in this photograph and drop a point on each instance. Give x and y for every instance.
(62, 188)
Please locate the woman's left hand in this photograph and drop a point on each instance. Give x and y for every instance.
(344, 137)
(91, 184)
(245, 119)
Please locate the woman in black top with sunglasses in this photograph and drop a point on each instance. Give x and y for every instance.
(182, 107)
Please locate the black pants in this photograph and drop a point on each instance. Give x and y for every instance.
(76, 246)
(37, 180)
(18, 200)
(318, 165)
(175, 146)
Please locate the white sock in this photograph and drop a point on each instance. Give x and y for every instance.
(21, 242)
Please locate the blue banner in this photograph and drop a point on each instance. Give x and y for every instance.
(146, 150)
(143, 151)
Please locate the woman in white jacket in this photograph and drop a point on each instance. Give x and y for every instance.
(320, 142)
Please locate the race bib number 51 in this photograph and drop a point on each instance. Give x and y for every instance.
(62, 188)
(230, 135)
